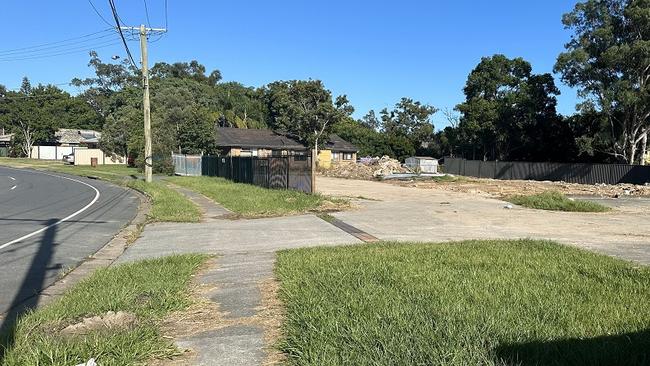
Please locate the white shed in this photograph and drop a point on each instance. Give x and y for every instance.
(423, 164)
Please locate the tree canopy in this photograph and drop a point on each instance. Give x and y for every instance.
(608, 59)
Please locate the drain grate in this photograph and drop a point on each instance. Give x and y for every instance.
(357, 233)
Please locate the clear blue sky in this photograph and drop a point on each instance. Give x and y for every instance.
(374, 51)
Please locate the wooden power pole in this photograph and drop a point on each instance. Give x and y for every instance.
(148, 160)
(146, 106)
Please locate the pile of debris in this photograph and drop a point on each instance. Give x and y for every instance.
(505, 188)
(367, 168)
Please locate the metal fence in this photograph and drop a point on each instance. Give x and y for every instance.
(189, 165)
(566, 172)
(285, 172)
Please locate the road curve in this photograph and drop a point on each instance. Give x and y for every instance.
(50, 222)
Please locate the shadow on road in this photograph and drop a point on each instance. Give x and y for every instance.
(26, 298)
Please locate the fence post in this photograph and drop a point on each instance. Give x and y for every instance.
(313, 170)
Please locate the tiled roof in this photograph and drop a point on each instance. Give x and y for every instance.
(336, 143)
(262, 138)
(255, 138)
(74, 136)
(7, 137)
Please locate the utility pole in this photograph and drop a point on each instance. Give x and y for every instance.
(148, 159)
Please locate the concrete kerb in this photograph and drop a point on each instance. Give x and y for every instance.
(103, 258)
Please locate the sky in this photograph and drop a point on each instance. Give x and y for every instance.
(375, 52)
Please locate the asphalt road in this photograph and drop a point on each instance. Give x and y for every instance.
(36, 246)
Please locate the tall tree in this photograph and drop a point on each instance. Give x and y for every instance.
(608, 59)
(411, 120)
(305, 108)
(509, 112)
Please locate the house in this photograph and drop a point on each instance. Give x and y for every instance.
(264, 143)
(256, 142)
(75, 137)
(5, 142)
(337, 150)
(422, 164)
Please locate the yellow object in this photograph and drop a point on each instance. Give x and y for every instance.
(325, 159)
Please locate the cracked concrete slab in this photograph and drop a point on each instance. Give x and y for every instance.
(230, 346)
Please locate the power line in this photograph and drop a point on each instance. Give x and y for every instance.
(146, 11)
(58, 42)
(99, 14)
(166, 15)
(40, 84)
(119, 29)
(46, 49)
(60, 52)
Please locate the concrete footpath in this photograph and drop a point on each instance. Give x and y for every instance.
(235, 324)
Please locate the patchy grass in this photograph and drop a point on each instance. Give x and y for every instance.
(252, 201)
(468, 303)
(556, 201)
(167, 204)
(149, 289)
(447, 179)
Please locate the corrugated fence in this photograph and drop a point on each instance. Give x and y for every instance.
(285, 172)
(566, 172)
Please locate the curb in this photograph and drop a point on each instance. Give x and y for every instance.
(103, 258)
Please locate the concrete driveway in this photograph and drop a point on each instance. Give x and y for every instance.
(407, 213)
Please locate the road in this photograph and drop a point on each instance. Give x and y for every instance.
(49, 223)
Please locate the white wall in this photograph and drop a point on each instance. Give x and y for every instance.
(52, 152)
(83, 157)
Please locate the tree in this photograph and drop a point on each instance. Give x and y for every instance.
(608, 59)
(370, 120)
(410, 120)
(34, 113)
(305, 109)
(509, 112)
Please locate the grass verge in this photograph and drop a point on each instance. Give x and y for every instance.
(469, 303)
(148, 290)
(556, 201)
(252, 201)
(167, 204)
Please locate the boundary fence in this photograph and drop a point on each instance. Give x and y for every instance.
(566, 172)
(283, 172)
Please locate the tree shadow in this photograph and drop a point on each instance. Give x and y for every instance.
(27, 296)
(616, 350)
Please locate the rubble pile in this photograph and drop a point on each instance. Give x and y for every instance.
(504, 188)
(366, 168)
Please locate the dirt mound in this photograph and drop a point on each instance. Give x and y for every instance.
(505, 188)
(110, 320)
(366, 168)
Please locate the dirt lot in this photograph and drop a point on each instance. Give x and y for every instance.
(504, 188)
(453, 211)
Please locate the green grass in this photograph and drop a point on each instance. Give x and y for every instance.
(149, 289)
(167, 204)
(556, 201)
(468, 303)
(252, 201)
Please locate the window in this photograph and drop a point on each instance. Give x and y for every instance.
(347, 156)
(335, 156)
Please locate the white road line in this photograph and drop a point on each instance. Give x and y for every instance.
(12, 178)
(12, 188)
(63, 219)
